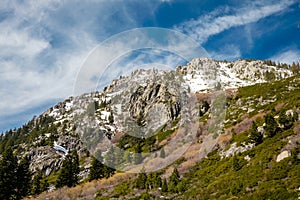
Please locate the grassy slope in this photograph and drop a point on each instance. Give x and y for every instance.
(214, 178)
(261, 177)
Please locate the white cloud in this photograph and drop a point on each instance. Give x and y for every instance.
(219, 20)
(227, 52)
(18, 42)
(112, 50)
(44, 43)
(287, 56)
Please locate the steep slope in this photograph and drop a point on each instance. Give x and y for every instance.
(143, 113)
(238, 167)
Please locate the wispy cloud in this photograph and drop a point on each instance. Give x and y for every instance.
(289, 56)
(225, 18)
(226, 52)
(43, 45)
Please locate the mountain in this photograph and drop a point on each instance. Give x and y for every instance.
(197, 119)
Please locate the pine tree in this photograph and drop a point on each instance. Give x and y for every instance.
(75, 168)
(164, 186)
(23, 178)
(150, 181)
(271, 125)
(255, 136)
(158, 182)
(97, 168)
(69, 171)
(173, 181)
(141, 180)
(108, 171)
(182, 186)
(36, 183)
(111, 118)
(285, 121)
(44, 185)
(236, 163)
(65, 173)
(295, 68)
(8, 171)
(140, 121)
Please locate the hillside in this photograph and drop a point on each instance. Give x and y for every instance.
(197, 119)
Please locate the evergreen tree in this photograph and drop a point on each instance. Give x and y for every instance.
(182, 186)
(97, 168)
(150, 181)
(255, 136)
(108, 171)
(271, 125)
(285, 121)
(164, 186)
(36, 183)
(69, 171)
(141, 180)
(8, 171)
(140, 121)
(158, 182)
(23, 178)
(236, 163)
(295, 68)
(218, 86)
(173, 181)
(153, 181)
(111, 118)
(75, 168)
(44, 185)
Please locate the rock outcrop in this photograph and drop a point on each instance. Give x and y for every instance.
(150, 96)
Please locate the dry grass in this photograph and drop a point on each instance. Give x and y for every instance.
(246, 124)
(279, 106)
(84, 191)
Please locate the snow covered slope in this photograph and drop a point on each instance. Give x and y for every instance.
(203, 74)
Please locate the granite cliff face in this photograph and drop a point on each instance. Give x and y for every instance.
(144, 99)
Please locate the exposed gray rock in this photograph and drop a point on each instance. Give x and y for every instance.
(45, 159)
(234, 149)
(283, 155)
(144, 98)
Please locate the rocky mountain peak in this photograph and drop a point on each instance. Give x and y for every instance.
(143, 101)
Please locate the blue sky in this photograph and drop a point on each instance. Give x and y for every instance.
(43, 44)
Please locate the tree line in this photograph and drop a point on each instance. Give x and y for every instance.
(17, 181)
